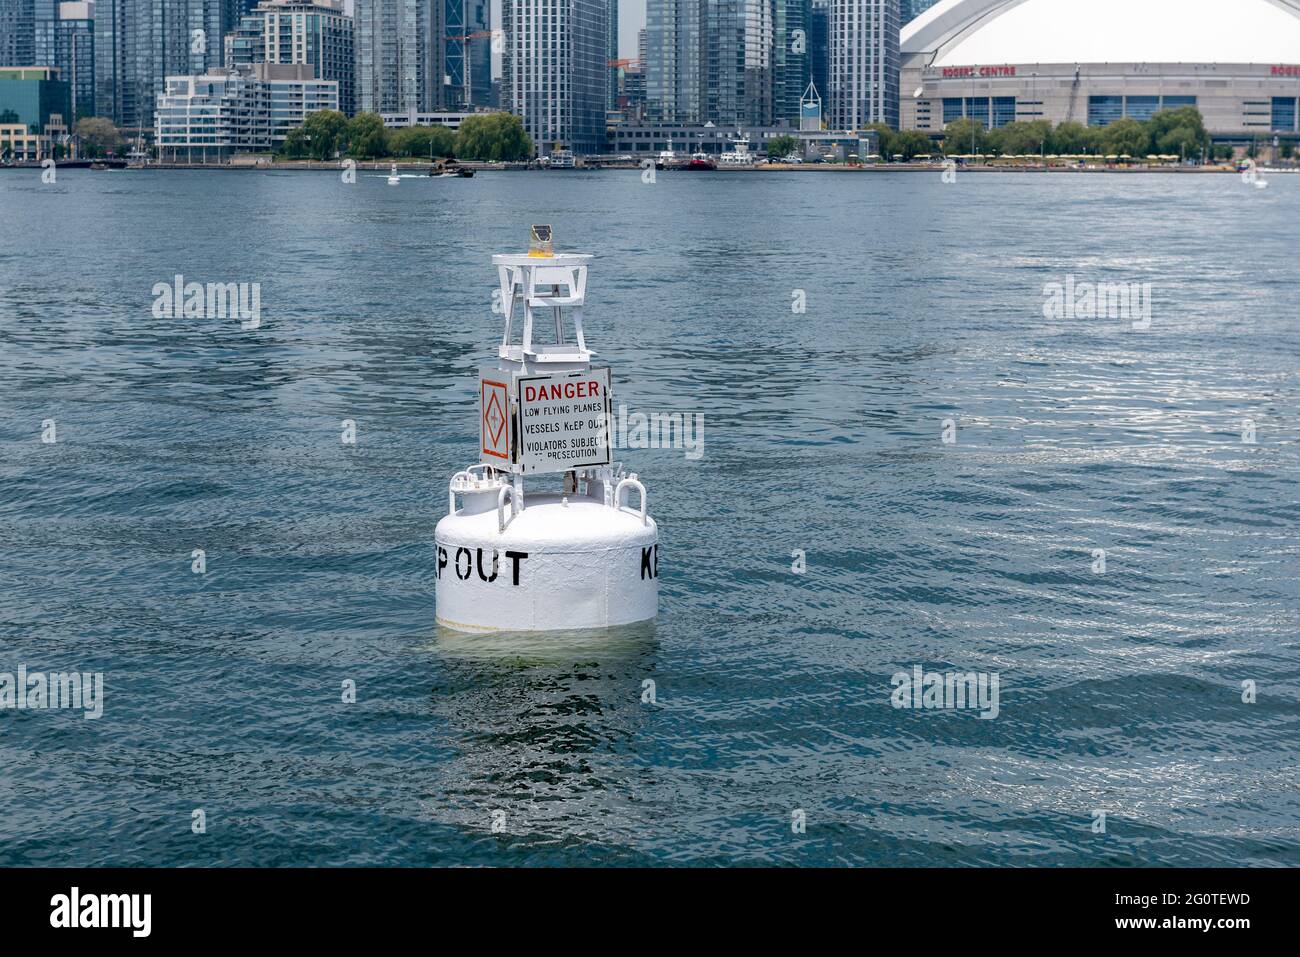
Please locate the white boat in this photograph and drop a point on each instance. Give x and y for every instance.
(393, 178)
(667, 159)
(561, 159)
(738, 157)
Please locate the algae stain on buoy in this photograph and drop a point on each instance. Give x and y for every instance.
(575, 556)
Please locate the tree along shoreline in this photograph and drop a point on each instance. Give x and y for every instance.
(328, 134)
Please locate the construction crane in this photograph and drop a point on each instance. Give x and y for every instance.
(624, 63)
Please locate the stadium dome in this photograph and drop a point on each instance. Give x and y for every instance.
(959, 32)
(1098, 61)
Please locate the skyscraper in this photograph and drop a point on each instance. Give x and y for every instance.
(865, 63)
(76, 55)
(819, 44)
(17, 33)
(728, 62)
(738, 66)
(400, 55)
(138, 43)
(45, 33)
(316, 33)
(554, 72)
(674, 60)
(791, 57)
(468, 53)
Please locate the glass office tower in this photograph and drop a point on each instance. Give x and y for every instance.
(138, 43)
(791, 57)
(468, 54)
(76, 55)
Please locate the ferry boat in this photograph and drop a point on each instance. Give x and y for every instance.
(700, 162)
(561, 159)
(739, 156)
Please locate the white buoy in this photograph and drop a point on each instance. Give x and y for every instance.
(570, 558)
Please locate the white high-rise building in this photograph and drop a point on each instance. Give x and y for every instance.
(400, 55)
(553, 71)
(864, 63)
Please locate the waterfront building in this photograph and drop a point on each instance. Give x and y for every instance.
(139, 43)
(649, 139)
(33, 97)
(468, 54)
(318, 33)
(75, 55)
(554, 71)
(209, 118)
(996, 61)
(400, 55)
(448, 118)
(18, 144)
(864, 63)
(674, 61)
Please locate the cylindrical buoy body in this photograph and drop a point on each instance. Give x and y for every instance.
(560, 563)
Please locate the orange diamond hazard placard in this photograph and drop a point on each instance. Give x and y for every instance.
(494, 419)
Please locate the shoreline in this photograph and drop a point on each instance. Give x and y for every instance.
(423, 167)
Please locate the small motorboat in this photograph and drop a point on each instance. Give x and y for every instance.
(393, 178)
(450, 168)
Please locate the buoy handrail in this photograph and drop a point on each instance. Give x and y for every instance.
(466, 481)
(501, 506)
(630, 483)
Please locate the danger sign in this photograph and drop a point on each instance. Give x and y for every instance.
(494, 419)
(563, 420)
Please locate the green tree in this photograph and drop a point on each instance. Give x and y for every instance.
(909, 144)
(422, 141)
(1180, 132)
(318, 138)
(965, 136)
(296, 144)
(885, 137)
(1069, 138)
(1126, 137)
(1018, 138)
(1182, 141)
(779, 147)
(493, 137)
(98, 136)
(366, 137)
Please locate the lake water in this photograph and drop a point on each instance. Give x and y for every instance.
(1120, 690)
